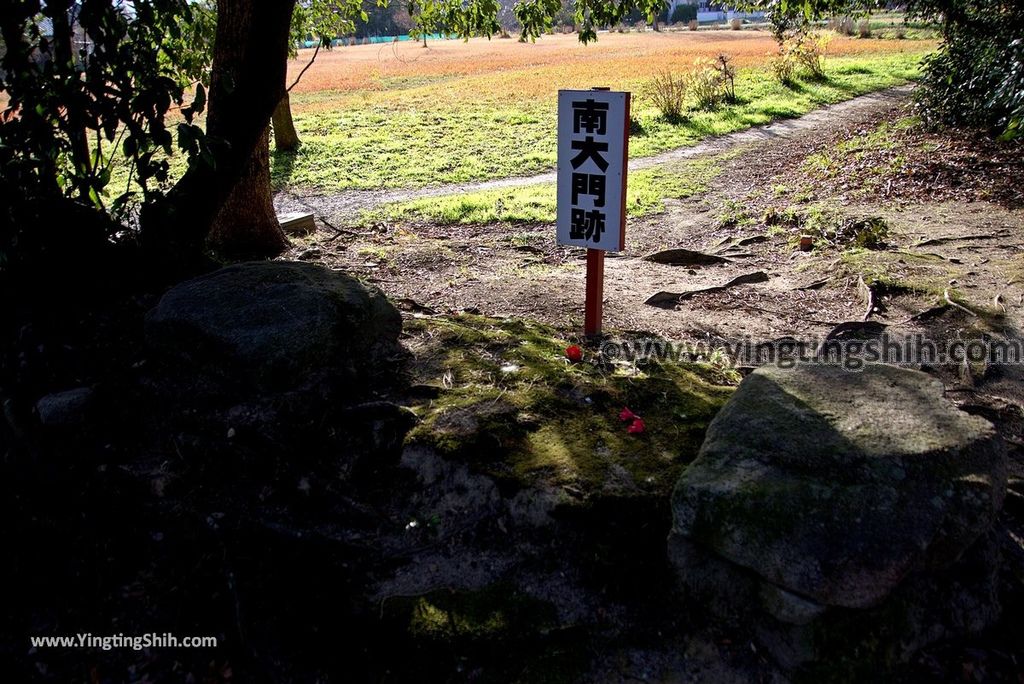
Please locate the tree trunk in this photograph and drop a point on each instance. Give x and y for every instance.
(250, 57)
(286, 139)
(246, 226)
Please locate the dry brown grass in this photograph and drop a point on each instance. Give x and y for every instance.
(531, 69)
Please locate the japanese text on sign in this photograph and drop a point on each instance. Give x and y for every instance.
(592, 150)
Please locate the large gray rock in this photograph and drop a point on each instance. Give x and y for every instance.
(277, 323)
(819, 490)
(65, 409)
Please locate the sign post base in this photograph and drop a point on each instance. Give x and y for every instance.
(595, 293)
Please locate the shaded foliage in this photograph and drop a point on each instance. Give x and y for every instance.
(977, 76)
(683, 14)
(102, 80)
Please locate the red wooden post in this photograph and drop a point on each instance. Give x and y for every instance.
(595, 292)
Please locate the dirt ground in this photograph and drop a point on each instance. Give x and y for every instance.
(504, 270)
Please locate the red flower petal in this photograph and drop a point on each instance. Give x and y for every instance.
(636, 427)
(627, 414)
(574, 353)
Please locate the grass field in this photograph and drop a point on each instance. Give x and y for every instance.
(400, 115)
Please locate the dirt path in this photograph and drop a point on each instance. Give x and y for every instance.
(345, 206)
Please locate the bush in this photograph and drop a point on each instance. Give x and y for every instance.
(844, 26)
(706, 84)
(864, 28)
(806, 50)
(683, 14)
(736, 24)
(693, 25)
(667, 92)
(784, 69)
(976, 77)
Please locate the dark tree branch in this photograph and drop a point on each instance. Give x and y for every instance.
(306, 68)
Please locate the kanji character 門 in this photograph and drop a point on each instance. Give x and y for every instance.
(588, 184)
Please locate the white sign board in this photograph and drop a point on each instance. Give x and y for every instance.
(593, 146)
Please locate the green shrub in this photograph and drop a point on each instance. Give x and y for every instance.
(667, 92)
(807, 50)
(706, 84)
(976, 77)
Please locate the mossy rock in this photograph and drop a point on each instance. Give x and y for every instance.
(510, 402)
(275, 325)
(823, 499)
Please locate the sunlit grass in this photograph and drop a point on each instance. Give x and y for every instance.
(461, 112)
(401, 139)
(532, 204)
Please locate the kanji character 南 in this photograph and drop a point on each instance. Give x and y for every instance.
(590, 117)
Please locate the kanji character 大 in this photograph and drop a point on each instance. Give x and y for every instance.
(589, 149)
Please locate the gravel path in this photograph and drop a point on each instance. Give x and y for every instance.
(342, 207)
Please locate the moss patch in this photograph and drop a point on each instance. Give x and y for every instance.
(497, 634)
(510, 402)
(493, 613)
(900, 270)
